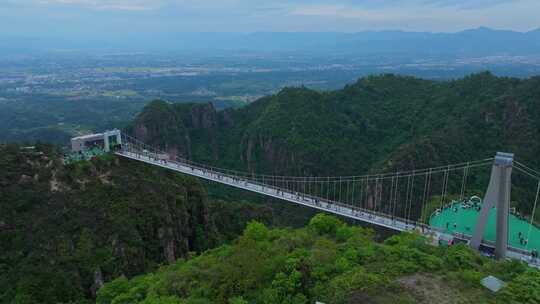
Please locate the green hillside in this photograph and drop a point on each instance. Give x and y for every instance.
(329, 262)
(64, 230)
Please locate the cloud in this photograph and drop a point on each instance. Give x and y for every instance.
(471, 4)
(265, 15)
(425, 15)
(122, 5)
(255, 5)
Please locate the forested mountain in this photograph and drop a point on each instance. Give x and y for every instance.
(329, 262)
(379, 123)
(64, 230)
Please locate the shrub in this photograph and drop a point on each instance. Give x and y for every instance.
(507, 270)
(461, 257)
(325, 224)
(237, 300)
(107, 293)
(523, 289)
(357, 279)
(467, 278)
(256, 231)
(430, 262)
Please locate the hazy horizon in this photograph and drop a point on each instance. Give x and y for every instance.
(113, 18)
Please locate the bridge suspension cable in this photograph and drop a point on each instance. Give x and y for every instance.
(297, 179)
(404, 207)
(533, 214)
(526, 170)
(395, 194)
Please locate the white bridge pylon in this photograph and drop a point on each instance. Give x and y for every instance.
(369, 208)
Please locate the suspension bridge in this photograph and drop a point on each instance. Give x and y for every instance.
(413, 200)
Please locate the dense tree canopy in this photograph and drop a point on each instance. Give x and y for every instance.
(326, 261)
(64, 230)
(379, 123)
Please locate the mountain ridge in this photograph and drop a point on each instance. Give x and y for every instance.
(379, 123)
(313, 42)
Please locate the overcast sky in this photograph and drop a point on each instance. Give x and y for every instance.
(105, 17)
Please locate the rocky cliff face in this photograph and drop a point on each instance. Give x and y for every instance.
(201, 133)
(92, 220)
(176, 127)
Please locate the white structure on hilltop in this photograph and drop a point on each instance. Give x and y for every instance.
(105, 141)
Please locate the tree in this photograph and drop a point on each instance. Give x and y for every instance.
(325, 224)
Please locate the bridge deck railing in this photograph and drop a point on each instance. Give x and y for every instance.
(245, 182)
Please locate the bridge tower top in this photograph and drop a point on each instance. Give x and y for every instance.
(504, 159)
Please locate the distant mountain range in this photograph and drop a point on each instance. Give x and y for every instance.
(474, 42)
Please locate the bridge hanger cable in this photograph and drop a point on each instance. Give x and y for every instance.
(352, 194)
(443, 188)
(464, 183)
(533, 214)
(407, 198)
(429, 189)
(362, 189)
(391, 195)
(349, 193)
(446, 185)
(395, 197)
(425, 195)
(340, 184)
(379, 187)
(376, 194)
(372, 201)
(411, 196)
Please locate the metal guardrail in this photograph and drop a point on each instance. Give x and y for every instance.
(354, 212)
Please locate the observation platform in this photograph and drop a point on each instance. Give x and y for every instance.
(460, 218)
